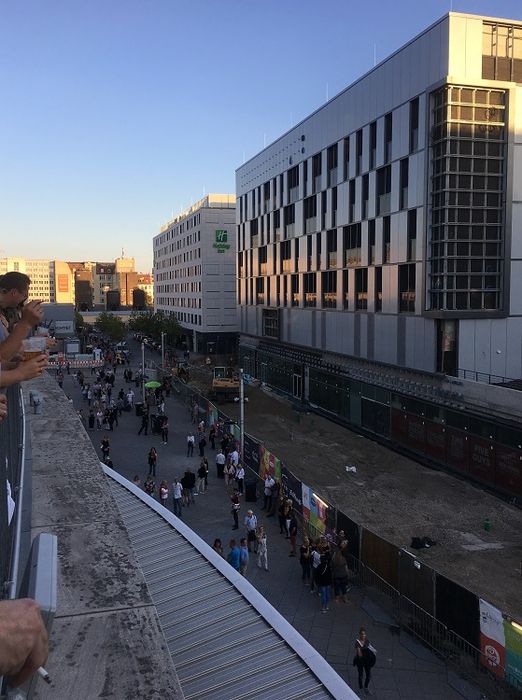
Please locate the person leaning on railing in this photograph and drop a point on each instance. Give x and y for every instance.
(14, 289)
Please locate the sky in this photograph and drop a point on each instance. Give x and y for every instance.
(118, 114)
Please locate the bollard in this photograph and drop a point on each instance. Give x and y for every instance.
(37, 402)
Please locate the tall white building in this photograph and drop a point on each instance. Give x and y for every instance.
(195, 273)
(51, 280)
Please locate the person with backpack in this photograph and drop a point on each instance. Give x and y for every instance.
(364, 659)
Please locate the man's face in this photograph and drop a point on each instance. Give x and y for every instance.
(13, 298)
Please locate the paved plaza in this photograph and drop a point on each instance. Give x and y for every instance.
(404, 668)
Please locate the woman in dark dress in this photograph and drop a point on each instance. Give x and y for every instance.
(152, 459)
(364, 659)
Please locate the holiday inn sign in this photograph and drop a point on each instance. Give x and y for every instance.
(221, 240)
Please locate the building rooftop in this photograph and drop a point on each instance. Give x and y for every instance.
(210, 200)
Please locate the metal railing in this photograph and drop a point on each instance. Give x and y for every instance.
(12, 440)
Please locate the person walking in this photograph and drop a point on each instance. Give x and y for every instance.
(364, 659)
(340, 574)
(144, 423)
(262, 549)
(177, 495)
(234, 556)
(163, 493)
(324, 579)
(202, 443)
(251, 530)
(243, 556)
(200, 483)
(220, 464)
(234, 498)
(149, 486)
(240, 478)
(165, 430)
(190, 444)
(152, 459)
(269, 484)
(304, 560)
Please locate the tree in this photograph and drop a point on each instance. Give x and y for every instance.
(154, 324)
(79, 322)
(111, 325)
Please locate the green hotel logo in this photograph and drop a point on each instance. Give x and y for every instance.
(221, 240)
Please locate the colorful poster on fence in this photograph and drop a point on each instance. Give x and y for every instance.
(513, 665)
(269, 464)
(492, 638)
(318, 510)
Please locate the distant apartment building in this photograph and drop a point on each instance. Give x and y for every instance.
(195, 273)
(51, 280)
(386, 226)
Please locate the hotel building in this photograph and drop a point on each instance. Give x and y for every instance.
(195, 273)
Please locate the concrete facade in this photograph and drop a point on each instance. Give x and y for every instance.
(386, 225)
(195, 271)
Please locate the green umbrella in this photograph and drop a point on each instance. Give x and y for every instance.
(152, 385)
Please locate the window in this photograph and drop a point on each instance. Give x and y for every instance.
(329, 290)
(331, 248)
(501, 52)
(403, 185)
(271, 323)
(352, 244)
(378, 289)
(266, 197)
(318, 241)
(373, 144)
(331, 165)
(240, 267)
(334, 206)
(361, 289)
(309, 244)
(323, 210)
(295, 290)
(414, 124)
(346, 290)
(316, 172)
(293, 184)
(309, 288)
(388, 129)
(365, 195)
(310, 214)
(407, 288)
(383, 194)
(386, 239)
(358, 151)
(286, 256)
(254, 233)
(346, 158)
(277, 224)
(412, 234)
(371, 241)
(351, 201)
(263, 266)
(260, 290)
(289, 217)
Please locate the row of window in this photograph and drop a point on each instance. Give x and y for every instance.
(189, 271)
(188, 256)
(301, 290)
(178, 230)
(334, 162)
(344, 248)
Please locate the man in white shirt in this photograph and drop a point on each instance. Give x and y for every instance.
(190, 444)
(177, 492)
(251, 529)
(234, 457)
(130, 397)
(220, 463)
(267, 500)
(240, 478)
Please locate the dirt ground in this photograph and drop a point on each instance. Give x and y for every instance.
(395, 497)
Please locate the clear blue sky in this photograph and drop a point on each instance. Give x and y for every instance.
(117, 113)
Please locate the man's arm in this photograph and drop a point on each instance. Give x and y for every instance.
(25, 370)
(23, 640)
(32, 314)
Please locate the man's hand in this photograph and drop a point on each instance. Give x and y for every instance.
(23, 640)
(32, 368)
(32, 313)
(3, 407)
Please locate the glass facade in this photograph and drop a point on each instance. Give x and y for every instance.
(468, 145)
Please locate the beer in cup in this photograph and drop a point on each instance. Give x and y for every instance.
(34, 346)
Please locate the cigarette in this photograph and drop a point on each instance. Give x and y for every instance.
(43, 674)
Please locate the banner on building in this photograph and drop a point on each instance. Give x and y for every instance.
(513, 665)
(315, 510)
(492, 638)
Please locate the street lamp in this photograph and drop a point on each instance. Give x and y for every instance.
(242, 401)
(143, 372)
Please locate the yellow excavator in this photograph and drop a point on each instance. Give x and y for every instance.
(225, 384)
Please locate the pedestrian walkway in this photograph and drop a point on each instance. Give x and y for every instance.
(404, 669)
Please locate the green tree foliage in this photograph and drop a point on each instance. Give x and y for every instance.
(111, 325)
(154, 324)
(79, 322)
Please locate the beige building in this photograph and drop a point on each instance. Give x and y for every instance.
(51, 280)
